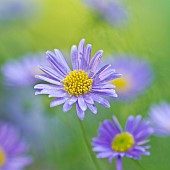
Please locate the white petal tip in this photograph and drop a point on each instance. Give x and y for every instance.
(65, 110)
(83, 39)
(101, 51)
(115, 95)
(48, 51)
(74, 47)
(81, 118)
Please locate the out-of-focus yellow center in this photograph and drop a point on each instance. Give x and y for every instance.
(120, 83)
(123, 142)
(77, 83)
(2, 157)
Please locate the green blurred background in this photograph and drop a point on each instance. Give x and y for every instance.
(61, 23)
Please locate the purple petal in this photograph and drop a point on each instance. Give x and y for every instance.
(117, 125)
(72, 100)
(132, 123)
(5, 132)
(100, 148)
(139, 148)
(143, 125)
(19, 148)
(80, 113)
(67, 106)
(57, 63)
(58, 93)
(133, 154)
(9, 139)
(44, 91)
(103, 69)
(92, 107)
(95, 62)
(81, 53)
(104, 86)
(88, 98)
(47, 79)
(129, 123)
(143, 134)
(74, 57)
(62, 59)
(143, 142)
(87, 55)
(49, 71)
(98, 141)
(58, 101)
(52, 93)
(47, 86)
(109, 77)
(101, 100)
(82, 103)
(147, 146)
(18, 163)
(136, 153)
(109, 129)
(105, 92)
(112, 156)
(104, 154)
(119, 163)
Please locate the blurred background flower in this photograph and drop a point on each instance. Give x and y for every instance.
(159, 116)
(16, 9)
(136, 76)
(21, 73)
(13, 150)
(113, 11)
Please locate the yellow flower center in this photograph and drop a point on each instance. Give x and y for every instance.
(123, 142)
(2, 157)
(77, 83)
(120, 83)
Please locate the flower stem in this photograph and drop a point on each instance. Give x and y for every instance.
(119, 163)
(138, 163)
(93, 158)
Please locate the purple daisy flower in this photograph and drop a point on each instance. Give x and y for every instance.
(111, 10)
(113, 142)
(21, 73)
(83, 85)
(159, 117)
(136, 76)
(12, 149)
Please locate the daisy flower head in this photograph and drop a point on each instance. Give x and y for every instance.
(27, 112)
(12, 149)
(159, 117)
(20, 73)
(112, 11)
(83, 85)
(136, 76)
(113, 142)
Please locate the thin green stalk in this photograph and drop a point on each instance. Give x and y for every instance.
(138, 163)
(93, 158)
